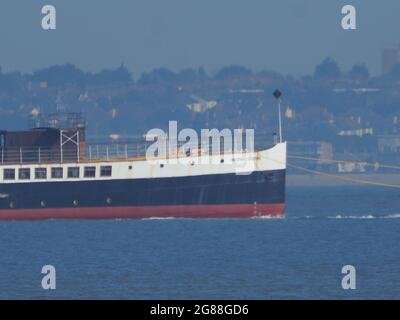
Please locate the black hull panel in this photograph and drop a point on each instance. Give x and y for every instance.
(257, 188)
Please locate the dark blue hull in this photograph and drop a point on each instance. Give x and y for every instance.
(260, 193)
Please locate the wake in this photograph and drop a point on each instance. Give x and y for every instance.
(361, 217)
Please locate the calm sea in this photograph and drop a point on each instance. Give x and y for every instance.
(298, 257)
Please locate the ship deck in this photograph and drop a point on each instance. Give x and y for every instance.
(93, 153)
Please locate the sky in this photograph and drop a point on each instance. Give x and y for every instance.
(287, 36)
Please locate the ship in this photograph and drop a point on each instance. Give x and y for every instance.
(51, 172)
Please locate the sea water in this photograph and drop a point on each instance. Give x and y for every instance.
(299, 257)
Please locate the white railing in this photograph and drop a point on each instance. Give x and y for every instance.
(67, 154)
(86, 152)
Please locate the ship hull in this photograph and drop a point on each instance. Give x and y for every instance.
(259, 194)
(149, 212)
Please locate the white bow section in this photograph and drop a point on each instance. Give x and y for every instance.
(270, 159)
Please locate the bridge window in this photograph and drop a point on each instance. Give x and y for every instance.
(40, 173)
(105, 171)
(57, 173)
(90, 172)
(24, 174)
(9, 174)
(73, 172)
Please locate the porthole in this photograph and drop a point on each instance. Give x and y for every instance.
(161, 165)
(42, 204)
(130, 167)
(222, 160)
(109, 200)
(75, 202)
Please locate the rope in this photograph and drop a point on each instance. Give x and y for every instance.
(335, 176)
(349, 179)
(344, 161)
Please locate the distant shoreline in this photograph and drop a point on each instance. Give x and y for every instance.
(311, 180)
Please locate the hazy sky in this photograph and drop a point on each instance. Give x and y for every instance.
(289, 36)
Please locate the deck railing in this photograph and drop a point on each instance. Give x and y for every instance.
(107, 152)
(86, 152)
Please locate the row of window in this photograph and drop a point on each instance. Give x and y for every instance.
(56, 173)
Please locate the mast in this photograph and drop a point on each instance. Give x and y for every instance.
(277, 94)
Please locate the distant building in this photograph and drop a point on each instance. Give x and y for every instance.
(390, 57)
(389, 144)
(201, 106)
(290, 113)
(357, 132)
(351, 167)
(311, 155)
(312, 149)
(250, 91)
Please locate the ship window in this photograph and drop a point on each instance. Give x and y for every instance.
(90, 172)
(105, 171)
(57, 173)
(40, 173)
(9, 174)
(73, 172)
(24, 174)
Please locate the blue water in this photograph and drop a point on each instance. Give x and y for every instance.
(298, 257)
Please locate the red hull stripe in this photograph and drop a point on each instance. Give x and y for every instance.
(140, 212)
